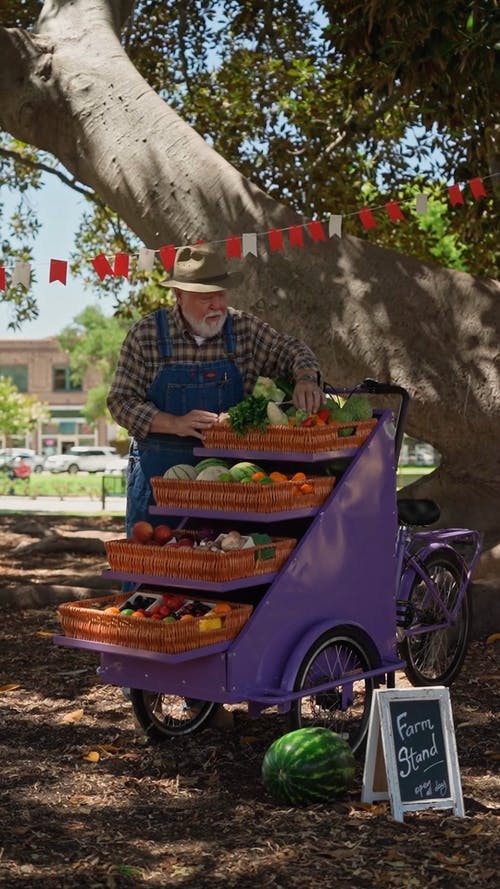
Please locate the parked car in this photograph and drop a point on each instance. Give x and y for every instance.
(34, 460)
(81, 458)
(117, 465)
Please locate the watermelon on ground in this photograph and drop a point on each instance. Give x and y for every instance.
(308, 765)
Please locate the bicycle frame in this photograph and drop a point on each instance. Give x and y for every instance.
(411, 565)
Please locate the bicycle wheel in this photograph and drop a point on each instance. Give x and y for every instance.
(345, 708)
(165, 716)
(435, 658)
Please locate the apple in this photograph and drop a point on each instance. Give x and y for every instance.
(142, 532)
(186, 541)
(162, 534)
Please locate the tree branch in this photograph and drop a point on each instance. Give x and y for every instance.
(70, 181)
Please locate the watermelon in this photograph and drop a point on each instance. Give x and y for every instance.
(308, 765)
(243, 470)
(211, 474)
(210, 461)
(181, 471)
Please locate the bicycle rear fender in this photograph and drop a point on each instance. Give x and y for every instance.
(409, 575)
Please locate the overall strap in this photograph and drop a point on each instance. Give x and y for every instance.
(230, 338)
(164, 342)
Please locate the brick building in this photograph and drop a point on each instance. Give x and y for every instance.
(39, 367)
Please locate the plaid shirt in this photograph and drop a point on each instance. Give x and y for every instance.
(260, 351)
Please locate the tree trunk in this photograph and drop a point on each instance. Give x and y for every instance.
(71, 90)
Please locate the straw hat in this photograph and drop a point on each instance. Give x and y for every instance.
(200, 269)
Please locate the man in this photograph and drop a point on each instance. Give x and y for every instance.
(181, 367)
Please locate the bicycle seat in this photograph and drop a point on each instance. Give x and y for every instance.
(417, 512)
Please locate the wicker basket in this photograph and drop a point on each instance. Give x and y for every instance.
(290, 439)
(231, 496)
(87, 620)
(200, 563)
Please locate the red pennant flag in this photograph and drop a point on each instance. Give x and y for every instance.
(121, 265)
(477, 188)
(316, 230)
(394, 211)
(296, 236)
(456, 196)
(3, 283)
(102, 266)
(167, 256)
(58, 270)
(367, 219)
(276, 239)
(233, 247)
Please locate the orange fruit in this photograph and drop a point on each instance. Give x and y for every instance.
(138, 614)
(298, 477)
(221, 608)
(112, 609)
(306, 489)
(186, 617)
(256, 477)
(278, 477)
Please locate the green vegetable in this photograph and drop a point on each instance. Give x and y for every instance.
(249, 414)
(268, 389)
(309, 765)
(275, 415)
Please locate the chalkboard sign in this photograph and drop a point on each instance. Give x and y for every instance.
(411, 733)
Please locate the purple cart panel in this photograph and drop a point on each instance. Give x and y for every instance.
(202, 677)
(343, 571)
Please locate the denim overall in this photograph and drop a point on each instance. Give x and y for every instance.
(177, 389)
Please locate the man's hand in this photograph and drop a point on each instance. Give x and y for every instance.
(307, 395)
(195, 423)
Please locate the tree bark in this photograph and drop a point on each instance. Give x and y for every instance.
(70, 89)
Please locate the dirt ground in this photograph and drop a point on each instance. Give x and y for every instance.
(85, 802)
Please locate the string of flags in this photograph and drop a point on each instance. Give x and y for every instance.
(239, 246)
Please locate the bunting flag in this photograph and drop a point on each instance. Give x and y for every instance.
(421, 204)
(249, 243)
(316, 231)
(335, 226)
(296, 236)
(121, 266)
(146, 260)
(58, 271)
(167, 256)
(240, 246)
(456, 196)
(367, 219)
(276, 239)
(394, 211)
(233, 247)
(102, 266)
(477, 188)
(21, 274)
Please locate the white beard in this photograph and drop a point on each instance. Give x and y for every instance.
(206, 328)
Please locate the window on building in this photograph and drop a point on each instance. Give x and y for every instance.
(62, 382)
(18, 373)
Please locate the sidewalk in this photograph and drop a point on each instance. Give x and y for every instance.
(62, 505)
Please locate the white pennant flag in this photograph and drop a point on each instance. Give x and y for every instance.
(249, 244)
(335, 226)
(146, 260)
(421, 204)
(21, 274)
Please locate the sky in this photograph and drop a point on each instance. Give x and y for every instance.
(59, 210)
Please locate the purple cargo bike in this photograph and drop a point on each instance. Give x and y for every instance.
(368, 590)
